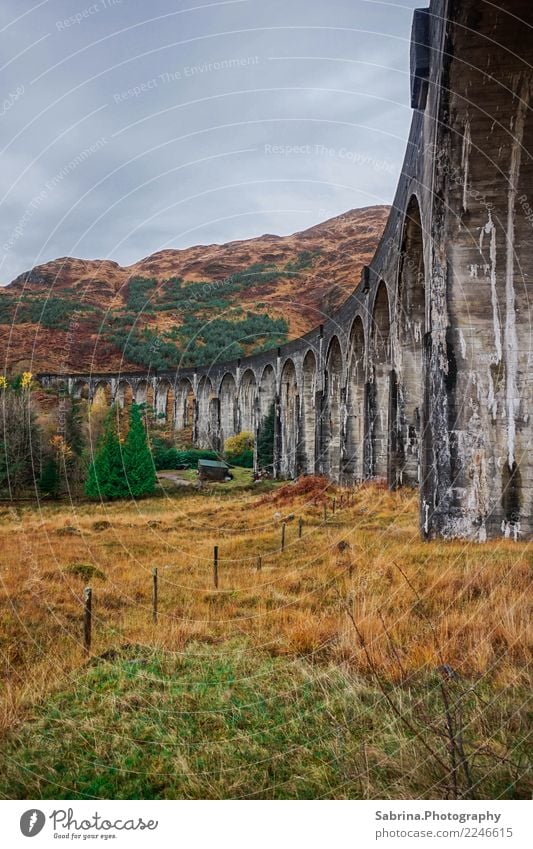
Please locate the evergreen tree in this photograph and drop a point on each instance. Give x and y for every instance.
(138, 462)
(49, 480)
(265, 440)
(107, 477)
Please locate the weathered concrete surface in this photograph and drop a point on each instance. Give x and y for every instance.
(423, 377)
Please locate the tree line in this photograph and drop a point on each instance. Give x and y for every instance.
(55, 446)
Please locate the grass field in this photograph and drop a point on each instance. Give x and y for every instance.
(360, 662)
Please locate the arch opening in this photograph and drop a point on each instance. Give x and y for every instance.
(185, 409)
(289, 416)
(207, 426)
(228, 396)
(307, 463)
(247, 402)
(410, 328)
(332, 419)
(124, 394)
(353, 464)
(164, 402)
(81, 390)
(380, 386)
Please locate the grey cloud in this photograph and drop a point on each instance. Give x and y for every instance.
(164, 168)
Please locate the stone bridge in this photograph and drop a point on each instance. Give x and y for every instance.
(423, 377)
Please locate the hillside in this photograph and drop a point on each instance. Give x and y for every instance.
(184, 306)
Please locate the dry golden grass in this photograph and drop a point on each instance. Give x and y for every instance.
(417, 605)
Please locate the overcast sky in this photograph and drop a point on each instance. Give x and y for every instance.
(128, 127)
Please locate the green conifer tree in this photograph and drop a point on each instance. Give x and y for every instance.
(138, 462)
(49, 480)
(107, 478)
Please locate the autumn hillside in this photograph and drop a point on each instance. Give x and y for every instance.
(184, 306)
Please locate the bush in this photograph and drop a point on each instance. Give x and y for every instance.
(239, 450)
(86, 571)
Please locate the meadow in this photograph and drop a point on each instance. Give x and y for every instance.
(359, 662)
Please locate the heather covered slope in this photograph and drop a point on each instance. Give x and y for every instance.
(184, 306)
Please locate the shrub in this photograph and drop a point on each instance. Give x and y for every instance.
(86, 571)
(239, 449)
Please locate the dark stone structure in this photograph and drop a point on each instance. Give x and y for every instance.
(423, 377)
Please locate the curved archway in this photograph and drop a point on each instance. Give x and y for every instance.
(355, 404)
(144, 393)
(228, 408)
(185, 409)
(81, 389)
(308, 437)
(124, 394)
(332, 425)
(379, 389)
(267, 391)
(410, 330)
(268, 424)
(207, 402)
(164, 401)
(102, 395)
(289, 415)
(247, 401)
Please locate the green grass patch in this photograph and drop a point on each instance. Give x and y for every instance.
(228, 721)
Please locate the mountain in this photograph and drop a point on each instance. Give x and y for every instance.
(184, 306)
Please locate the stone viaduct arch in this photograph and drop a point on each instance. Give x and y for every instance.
(353, 465)
(422, 378)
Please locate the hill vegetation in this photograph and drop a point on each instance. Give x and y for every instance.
(191, 306)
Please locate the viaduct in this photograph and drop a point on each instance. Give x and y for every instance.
(423, 377)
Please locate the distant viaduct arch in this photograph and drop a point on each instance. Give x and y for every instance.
(423, 377)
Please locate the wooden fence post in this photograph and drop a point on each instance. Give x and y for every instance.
(333, 506)
(154, 595)
(300, 525)
(283, 536)
(259, 563)
(215, 566)
(87, 618)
